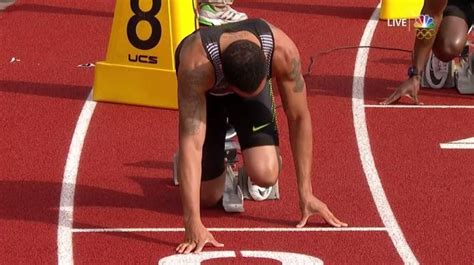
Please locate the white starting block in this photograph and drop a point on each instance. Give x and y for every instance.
(465, 76)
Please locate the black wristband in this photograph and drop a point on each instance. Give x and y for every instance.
(412, 71)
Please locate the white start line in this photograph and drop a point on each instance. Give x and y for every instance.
(232, 229)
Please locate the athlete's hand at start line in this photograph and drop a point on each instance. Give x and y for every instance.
(310, 206)
(409, 88)
(196, 237)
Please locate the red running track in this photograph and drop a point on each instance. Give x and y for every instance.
(124, 172)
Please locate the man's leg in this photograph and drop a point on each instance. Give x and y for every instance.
(452, 34)
(255, 122)
(212, 190)
(262, 164)
(449, 43)
(213, 154)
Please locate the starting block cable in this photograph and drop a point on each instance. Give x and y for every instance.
(313, 57)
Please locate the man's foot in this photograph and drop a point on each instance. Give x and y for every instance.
(255, 192)
(437, 73)
(258, 193)
(212, 15)
(6, 3)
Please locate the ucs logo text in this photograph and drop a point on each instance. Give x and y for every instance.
(142, 59)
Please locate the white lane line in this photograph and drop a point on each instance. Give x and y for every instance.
(366, 157)
(233, 229)
(66, 204)
(460, 144)
(420, 106)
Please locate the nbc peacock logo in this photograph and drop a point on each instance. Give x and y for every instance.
(425, 27)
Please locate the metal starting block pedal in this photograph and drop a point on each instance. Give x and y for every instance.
(232, 199)
(465, 76)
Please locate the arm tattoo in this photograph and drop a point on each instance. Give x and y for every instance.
(296, 75)
(191, 104)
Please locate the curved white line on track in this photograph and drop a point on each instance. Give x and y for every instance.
(66, 205)
(363, 143)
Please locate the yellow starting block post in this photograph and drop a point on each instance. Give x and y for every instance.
(139, 68)
(400, 9)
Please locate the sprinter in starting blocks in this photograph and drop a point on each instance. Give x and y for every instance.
(238, 185)
(225, 74)
(445, 49)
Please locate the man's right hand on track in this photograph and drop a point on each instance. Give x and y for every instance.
(196, 237)
(408, 88)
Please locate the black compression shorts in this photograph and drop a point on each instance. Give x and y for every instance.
(461, 8)
(254, 119)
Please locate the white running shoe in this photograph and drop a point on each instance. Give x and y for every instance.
(211, 15)
(437, 73)
(258, 193)
(6, 3)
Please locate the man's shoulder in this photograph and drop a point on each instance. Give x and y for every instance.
(192, 50)
(192, 39)
(194, 64)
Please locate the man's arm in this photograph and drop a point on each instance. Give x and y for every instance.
(287, 70)
(433, 8)
(422, 47)
(192, 113)
(194, 77)
(286, 67)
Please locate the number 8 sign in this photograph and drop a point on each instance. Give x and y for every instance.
(139, 67)
(148, 16)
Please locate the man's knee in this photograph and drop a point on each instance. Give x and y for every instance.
(448, 49)
(262, 165)
(263, 174)
(451, 38)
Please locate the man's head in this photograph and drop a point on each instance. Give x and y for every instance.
(243, 63)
